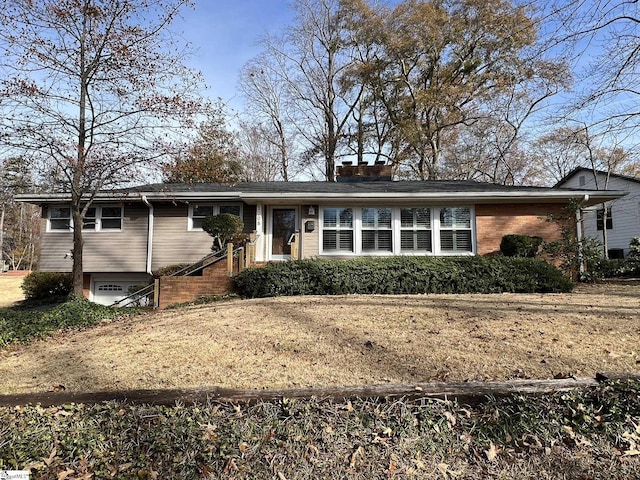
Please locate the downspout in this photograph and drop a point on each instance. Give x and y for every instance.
(149, 234)
(579, 233)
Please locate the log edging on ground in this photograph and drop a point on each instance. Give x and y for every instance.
(463, 392)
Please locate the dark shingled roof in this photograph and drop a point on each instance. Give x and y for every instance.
(337, 187)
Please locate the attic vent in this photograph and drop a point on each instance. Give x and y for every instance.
(581, 180)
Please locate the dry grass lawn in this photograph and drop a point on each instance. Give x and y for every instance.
(346, 340)
(10, 291)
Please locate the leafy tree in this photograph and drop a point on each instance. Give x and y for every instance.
(439, 65)
(93, 90)
(212, 157)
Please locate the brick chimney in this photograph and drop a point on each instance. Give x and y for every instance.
(363, 172)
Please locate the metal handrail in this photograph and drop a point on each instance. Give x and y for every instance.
(183, 272)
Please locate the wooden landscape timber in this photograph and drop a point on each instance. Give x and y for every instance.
(464, 392)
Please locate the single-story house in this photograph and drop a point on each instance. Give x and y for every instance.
(130, 233)
(622, 221)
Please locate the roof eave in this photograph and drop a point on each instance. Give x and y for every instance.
(586, 198)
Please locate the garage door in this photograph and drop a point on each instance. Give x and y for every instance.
(109, 292)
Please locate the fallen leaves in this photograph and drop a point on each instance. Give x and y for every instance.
(492, 453)
(633, 439)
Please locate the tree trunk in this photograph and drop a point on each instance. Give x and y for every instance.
(2, 235)
(77, 271)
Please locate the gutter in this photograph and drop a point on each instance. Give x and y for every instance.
(149, 234)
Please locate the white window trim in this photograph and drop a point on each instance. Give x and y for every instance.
(58, 230)
(98, 217)
(396, 232)
(338, 229)
(98, 227)
(216, 211)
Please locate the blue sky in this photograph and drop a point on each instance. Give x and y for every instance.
(224, 36)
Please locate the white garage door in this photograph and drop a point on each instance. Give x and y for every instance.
(110, 291)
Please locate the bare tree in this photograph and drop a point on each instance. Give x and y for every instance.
(94, 89)
(311, 61)
(604, 37)
(265, 89)
(259, 154)
(19, 223)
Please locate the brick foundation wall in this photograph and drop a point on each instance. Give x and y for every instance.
(495, 221)
(86, 285)
(214, 281)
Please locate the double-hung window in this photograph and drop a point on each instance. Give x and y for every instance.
(455, 229)
(415, 230)
(59, 219)
(377, 234)
(103, 218)
(110, 218)
(337, 230)
(97, 218)
(198, 212)
(600, 219)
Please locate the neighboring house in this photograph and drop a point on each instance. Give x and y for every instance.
(130, 233)
(622, 214)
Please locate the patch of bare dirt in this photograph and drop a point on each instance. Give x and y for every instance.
(344, 340)
(10, 291)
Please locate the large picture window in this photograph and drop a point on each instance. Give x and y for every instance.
(198, 212)
(397, 231)
(337, 230)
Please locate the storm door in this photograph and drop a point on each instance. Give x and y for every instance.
(283, 228)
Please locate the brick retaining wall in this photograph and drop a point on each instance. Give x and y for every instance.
(215, 280)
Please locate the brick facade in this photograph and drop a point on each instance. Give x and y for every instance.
(493, 221)
(215, 280)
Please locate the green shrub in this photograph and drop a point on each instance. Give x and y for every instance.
(23, 325)
(43, 285)
(520, 245)
(168, 270)
(402, 275)
(224, 228)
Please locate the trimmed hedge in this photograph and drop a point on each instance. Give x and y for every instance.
(402, 275)
(44, 285)
(520, 245)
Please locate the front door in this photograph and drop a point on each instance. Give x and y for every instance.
(283, 226)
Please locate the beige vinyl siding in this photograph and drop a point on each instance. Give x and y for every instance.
(105, 251)
(53, 247)
(310, 240)
(172, 242)
(123, 251)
